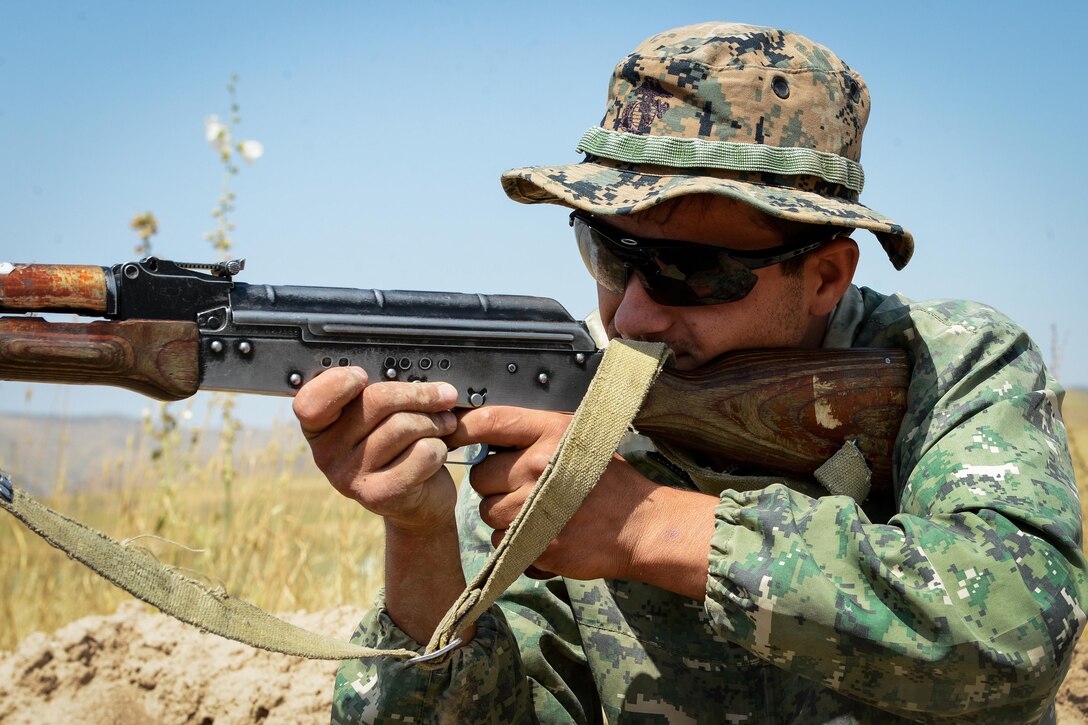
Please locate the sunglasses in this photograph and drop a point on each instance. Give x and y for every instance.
(674, 273)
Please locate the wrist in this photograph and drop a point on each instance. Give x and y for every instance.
(423, 575)
(672, 547)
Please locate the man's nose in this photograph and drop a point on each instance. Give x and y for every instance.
(638, 317)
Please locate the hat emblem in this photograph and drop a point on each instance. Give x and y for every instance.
(647, 106)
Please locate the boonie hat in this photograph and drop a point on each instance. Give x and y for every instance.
(764, 116)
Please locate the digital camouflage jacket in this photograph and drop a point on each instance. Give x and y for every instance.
(963, 601)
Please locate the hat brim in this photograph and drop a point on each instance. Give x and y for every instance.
(606, 190)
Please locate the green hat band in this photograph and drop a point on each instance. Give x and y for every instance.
(700, 153)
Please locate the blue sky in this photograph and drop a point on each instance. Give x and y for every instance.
(386, 127)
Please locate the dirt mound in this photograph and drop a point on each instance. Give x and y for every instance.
(138, 667)
(1073, 698)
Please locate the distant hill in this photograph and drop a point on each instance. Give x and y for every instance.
(46, 454)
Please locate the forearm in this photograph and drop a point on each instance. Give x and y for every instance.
(675, 529)
(423, 577)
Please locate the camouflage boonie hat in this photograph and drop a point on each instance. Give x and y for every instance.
(764, 116)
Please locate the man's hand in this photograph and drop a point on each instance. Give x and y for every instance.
(381, 444)
(627, 528)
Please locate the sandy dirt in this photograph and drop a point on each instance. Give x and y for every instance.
(1073, 697)
(135, 667)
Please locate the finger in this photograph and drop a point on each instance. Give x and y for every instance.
(407, 487)
(502, 473)
(409, 472)
(390, 438)
(320, 402)
(505, 426)
(498, 512)
(383, 399)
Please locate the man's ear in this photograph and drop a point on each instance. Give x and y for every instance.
(829, 270)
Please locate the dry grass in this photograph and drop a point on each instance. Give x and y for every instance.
(284, 541)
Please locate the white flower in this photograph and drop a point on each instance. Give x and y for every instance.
(251, 150)
(217, 135)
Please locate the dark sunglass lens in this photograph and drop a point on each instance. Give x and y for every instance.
(606, 268)
(675, 276)
(693, 276)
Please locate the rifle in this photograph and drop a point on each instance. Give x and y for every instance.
(170, 329)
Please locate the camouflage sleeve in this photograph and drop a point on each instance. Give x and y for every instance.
(391, 690)
(515, 670)
(968, 602)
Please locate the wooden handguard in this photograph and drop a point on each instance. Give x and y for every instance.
(53, 287)
(787, 411)
(158, 359)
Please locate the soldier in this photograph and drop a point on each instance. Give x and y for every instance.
(714, 209)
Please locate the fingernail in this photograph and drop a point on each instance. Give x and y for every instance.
(447, 392)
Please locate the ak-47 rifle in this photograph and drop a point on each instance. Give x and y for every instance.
(171, 329)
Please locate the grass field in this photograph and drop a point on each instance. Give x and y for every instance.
(284, 541)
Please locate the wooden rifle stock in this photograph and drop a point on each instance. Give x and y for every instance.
(157, 358)
(784, 411)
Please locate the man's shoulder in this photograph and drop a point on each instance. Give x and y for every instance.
(964, 349)
(899, 321)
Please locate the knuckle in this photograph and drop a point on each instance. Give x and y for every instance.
(408, 425)
(487, 510)
(332, 389)
(444, 422)
(369, 491)
(436, 450)
(487, 419)
(536, 461)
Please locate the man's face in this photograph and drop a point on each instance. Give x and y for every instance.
(776, 313)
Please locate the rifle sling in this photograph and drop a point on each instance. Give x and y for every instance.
(604, 416)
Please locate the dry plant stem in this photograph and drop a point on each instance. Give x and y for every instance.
(423, 578)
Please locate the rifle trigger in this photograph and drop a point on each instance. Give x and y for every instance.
(469, 455)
